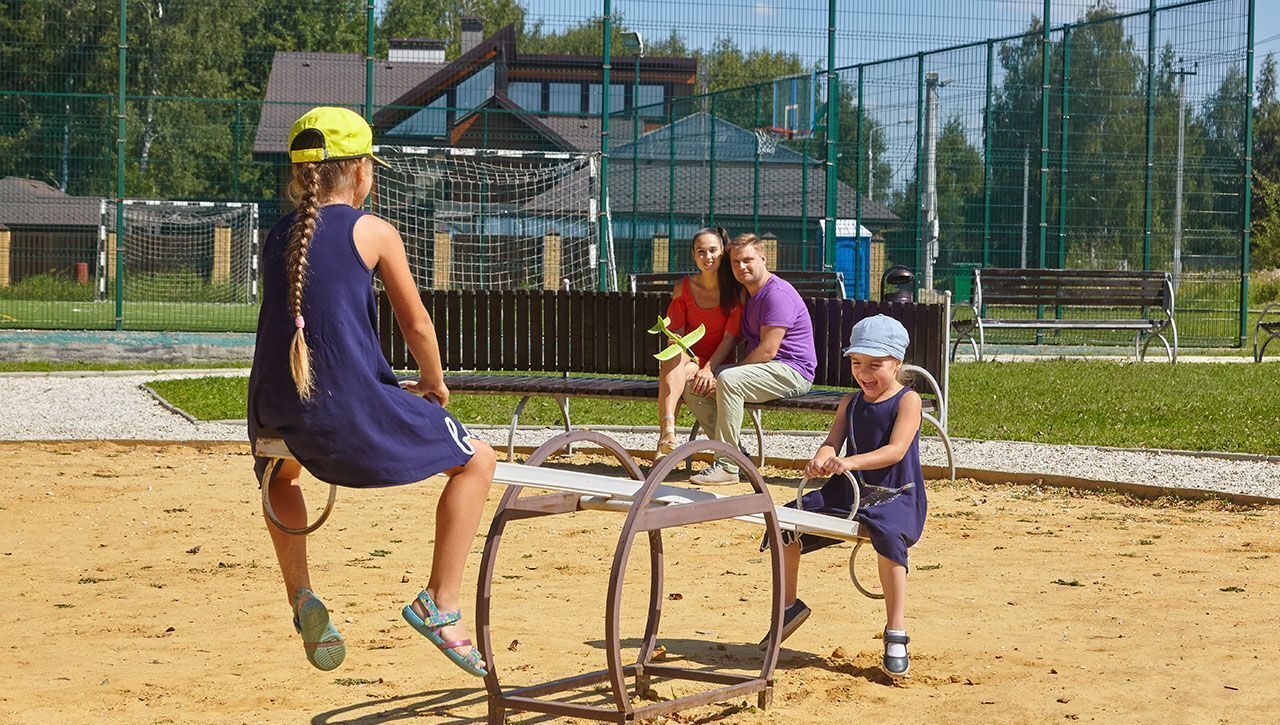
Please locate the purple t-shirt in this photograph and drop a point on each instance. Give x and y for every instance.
(777, 304)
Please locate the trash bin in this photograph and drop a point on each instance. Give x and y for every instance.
(962, 281)
(82, 273)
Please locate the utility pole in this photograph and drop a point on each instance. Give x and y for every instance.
(1026, 181)
(930, 199)
(1182, 74)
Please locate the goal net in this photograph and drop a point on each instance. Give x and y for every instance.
(180, 251)
(493, 218)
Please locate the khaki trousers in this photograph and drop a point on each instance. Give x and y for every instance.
(721, 416)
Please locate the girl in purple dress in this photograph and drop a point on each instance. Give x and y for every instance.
(879, 426)
(320, 382)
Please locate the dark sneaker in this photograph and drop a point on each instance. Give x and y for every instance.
(896, 666)
(794, 616)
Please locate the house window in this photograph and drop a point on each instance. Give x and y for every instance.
(475, 90)
(565, 98)
(649, 100)
(432, 120)
(526, 95)
(617, 96)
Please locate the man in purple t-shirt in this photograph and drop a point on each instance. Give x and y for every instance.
(780, 360)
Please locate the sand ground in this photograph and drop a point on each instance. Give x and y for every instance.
(140, 586)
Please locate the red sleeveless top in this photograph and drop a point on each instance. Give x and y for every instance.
(686, 315)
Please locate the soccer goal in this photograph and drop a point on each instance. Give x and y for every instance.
(180, 251)
(493, 218)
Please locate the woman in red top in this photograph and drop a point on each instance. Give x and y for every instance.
(712, 297)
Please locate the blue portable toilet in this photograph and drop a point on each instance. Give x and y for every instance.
(853, 256)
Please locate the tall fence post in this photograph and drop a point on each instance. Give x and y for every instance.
(1045, 42)
(919, 237)
(603, 211)
(1065, 117)
(1247, 180)
(122, 61)
(711, 171)
(833, 133)
(986, 161)
(671, 180)
(857, 163)
(368, 61)
(755, 175)
(1147, 180)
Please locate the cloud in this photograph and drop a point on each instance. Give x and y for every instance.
(763, 10)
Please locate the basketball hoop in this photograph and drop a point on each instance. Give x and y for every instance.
(767, 139)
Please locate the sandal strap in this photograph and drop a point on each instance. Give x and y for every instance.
(896, 638)
(455, 643)
(435, 617)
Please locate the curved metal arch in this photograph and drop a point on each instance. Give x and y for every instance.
(268, 478)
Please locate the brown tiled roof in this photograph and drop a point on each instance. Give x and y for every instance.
(27, 202)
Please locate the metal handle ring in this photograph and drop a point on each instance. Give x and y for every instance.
(267, 477)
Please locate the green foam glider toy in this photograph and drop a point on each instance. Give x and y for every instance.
(678, 343)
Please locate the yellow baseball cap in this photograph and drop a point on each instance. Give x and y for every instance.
(328, 133)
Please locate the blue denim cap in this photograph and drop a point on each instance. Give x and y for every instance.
(879, 336)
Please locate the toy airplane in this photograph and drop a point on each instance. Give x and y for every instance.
(678, 343)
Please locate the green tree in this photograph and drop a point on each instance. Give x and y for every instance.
(443, 19)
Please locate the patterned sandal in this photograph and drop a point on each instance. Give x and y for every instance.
(430, 627)
(324, 645)
(667, 440)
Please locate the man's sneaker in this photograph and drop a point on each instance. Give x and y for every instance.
(896, 666)
(714, 476)
(792, 618)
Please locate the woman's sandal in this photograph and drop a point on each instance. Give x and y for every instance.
(324, 645)
(666, 436)
(430, 627)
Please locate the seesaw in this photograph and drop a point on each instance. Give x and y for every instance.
(649, 505)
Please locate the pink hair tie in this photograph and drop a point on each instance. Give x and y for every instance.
(299, 323)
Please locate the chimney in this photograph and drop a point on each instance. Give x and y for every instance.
(416, 50)
(472, 32)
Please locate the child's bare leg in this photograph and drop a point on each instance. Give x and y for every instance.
(893, 579)
(790, 573)
(457, 520)
(672, 376)
(291, 509)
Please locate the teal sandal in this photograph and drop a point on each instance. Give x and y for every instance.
(430, 628)
(324, 645)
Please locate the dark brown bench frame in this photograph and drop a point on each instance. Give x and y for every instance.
(1148, 292)
(807, 283)
(1263, 327)
(590, 338)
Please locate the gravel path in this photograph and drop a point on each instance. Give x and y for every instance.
(112, 406)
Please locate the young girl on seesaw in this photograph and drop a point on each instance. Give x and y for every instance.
(879, 426)
(320, 382)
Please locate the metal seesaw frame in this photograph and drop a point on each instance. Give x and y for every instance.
(651, 508)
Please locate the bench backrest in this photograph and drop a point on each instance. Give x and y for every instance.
(808, 283)
(603, 333)
(1073, 288)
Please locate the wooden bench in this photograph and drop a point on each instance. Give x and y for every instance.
(1269, 328)
(808, 284)
(999, 292)
(588, 339)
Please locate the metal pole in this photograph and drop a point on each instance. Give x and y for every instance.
(603, 211)
(237, 129)
(1045, 42)
(671, 185)
(122, 61)
(1026, 183)
(857, 166)
(986, 162)
(635, 167)
(930, 177)
(1147, 182)
(368, 61)
(1247, 180)
(919, 241)
(804, 204)
(833, 132)
(755, 176)
(1177, 189)
(1062, 154)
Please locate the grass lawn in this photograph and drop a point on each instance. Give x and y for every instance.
(184, 316)
(1205, 406)
(81, 365)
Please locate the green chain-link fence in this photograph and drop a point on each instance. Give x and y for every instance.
(1118, 138)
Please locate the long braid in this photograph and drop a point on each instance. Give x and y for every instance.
(306, 188)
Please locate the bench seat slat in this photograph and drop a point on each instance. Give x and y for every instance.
(1081, 324)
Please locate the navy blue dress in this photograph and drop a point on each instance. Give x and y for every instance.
(359, 428)
(893, 506)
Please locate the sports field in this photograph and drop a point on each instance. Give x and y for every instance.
(142, 588)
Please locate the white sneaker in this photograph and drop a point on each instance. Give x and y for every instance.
(714, 476)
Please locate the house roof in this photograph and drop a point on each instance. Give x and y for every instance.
(300, 81)
(780, 195)
(27, 202)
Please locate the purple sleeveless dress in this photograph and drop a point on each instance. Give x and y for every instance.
(359, 428)
(893, 505)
